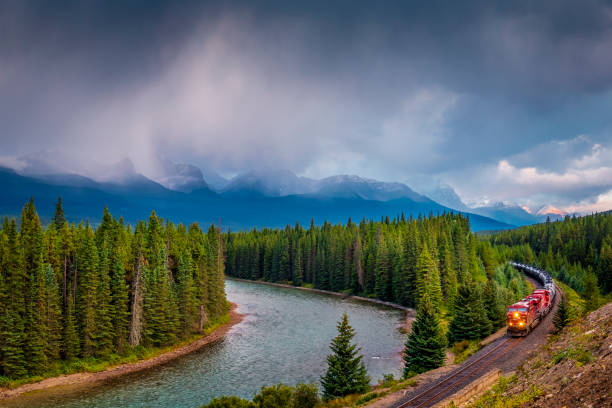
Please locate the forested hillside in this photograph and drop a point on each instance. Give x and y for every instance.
(72, 293)
(577, 251)
(400, 260)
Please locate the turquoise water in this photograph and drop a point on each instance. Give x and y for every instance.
(284, 337)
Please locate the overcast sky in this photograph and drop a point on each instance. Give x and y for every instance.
(501, 100)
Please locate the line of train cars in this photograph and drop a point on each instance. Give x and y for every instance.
(526, 314)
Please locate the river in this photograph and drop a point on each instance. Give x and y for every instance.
(284, 337)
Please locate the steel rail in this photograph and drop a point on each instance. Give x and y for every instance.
(461, 374)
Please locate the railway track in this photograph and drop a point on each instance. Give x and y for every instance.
(459, 378)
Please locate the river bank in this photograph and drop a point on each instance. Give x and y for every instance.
(123, 369)
(406, 324)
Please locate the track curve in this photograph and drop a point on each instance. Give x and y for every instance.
(495, 355)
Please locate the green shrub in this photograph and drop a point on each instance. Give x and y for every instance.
(276, 396)
(305, 396)
(366, 398)
(229, 402)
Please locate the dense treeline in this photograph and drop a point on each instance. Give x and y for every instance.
(69, 292)
(577, 250)
(400, 260)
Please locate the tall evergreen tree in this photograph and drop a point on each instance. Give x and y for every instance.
(71, 347)
(428, 279)
(470, 320)
(591, 291)
(562, 316)
(59, 219)
(346, 374)
(88, 281)
(119, 312)
(426, 345)
(13, 359)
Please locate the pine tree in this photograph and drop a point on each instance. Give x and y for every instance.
(298, 270)
(71, 347)
(59, 219)
(496, 311)
(104, 313)
(383, 273)
(408, 268)
(120, 315)
(591, 291)
(88, 281)
(53, 315)
(35, 330)
(346, 373)
(13, 359)
(426, 344)
(604, 267)
(428, 279)
(562, 316)
(470, 320)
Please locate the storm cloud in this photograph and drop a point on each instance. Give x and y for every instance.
(503, 101)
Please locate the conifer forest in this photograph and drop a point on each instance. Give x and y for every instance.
(74, 292)
(400, 260)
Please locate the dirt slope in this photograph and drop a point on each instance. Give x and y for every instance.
(573, 370)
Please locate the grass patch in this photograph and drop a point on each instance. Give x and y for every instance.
(575, 302)
(497, 397)
(367, 398)
(464, 350)
(579, 354)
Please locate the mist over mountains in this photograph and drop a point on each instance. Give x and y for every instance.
(263, 197)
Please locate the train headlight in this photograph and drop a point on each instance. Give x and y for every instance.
(516, 314)
(520, 323)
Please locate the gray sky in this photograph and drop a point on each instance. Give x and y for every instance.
(502, 100)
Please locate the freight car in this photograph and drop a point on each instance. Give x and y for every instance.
(524, 315)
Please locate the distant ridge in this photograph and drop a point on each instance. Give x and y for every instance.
(137, 196)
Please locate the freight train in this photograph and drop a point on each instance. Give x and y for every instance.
(526, 314)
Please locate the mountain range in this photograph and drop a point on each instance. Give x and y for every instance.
(264, 197)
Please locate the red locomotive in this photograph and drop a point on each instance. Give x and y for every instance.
(523, 316)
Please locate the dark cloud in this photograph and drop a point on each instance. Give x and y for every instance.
(392, 90)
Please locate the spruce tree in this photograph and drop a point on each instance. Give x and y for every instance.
(298, 270)
(428, 279)
(562, 316)
(470, 321)
(496, 311)
(120, 315)
(53, 315)
(71, 347)
(604, 267)
(88, 282)
(11, 347)
(59, 219)
(104, 315)
(346, 373)
(383, 273)
(426, 344)
(591, 291)
(35, 330)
